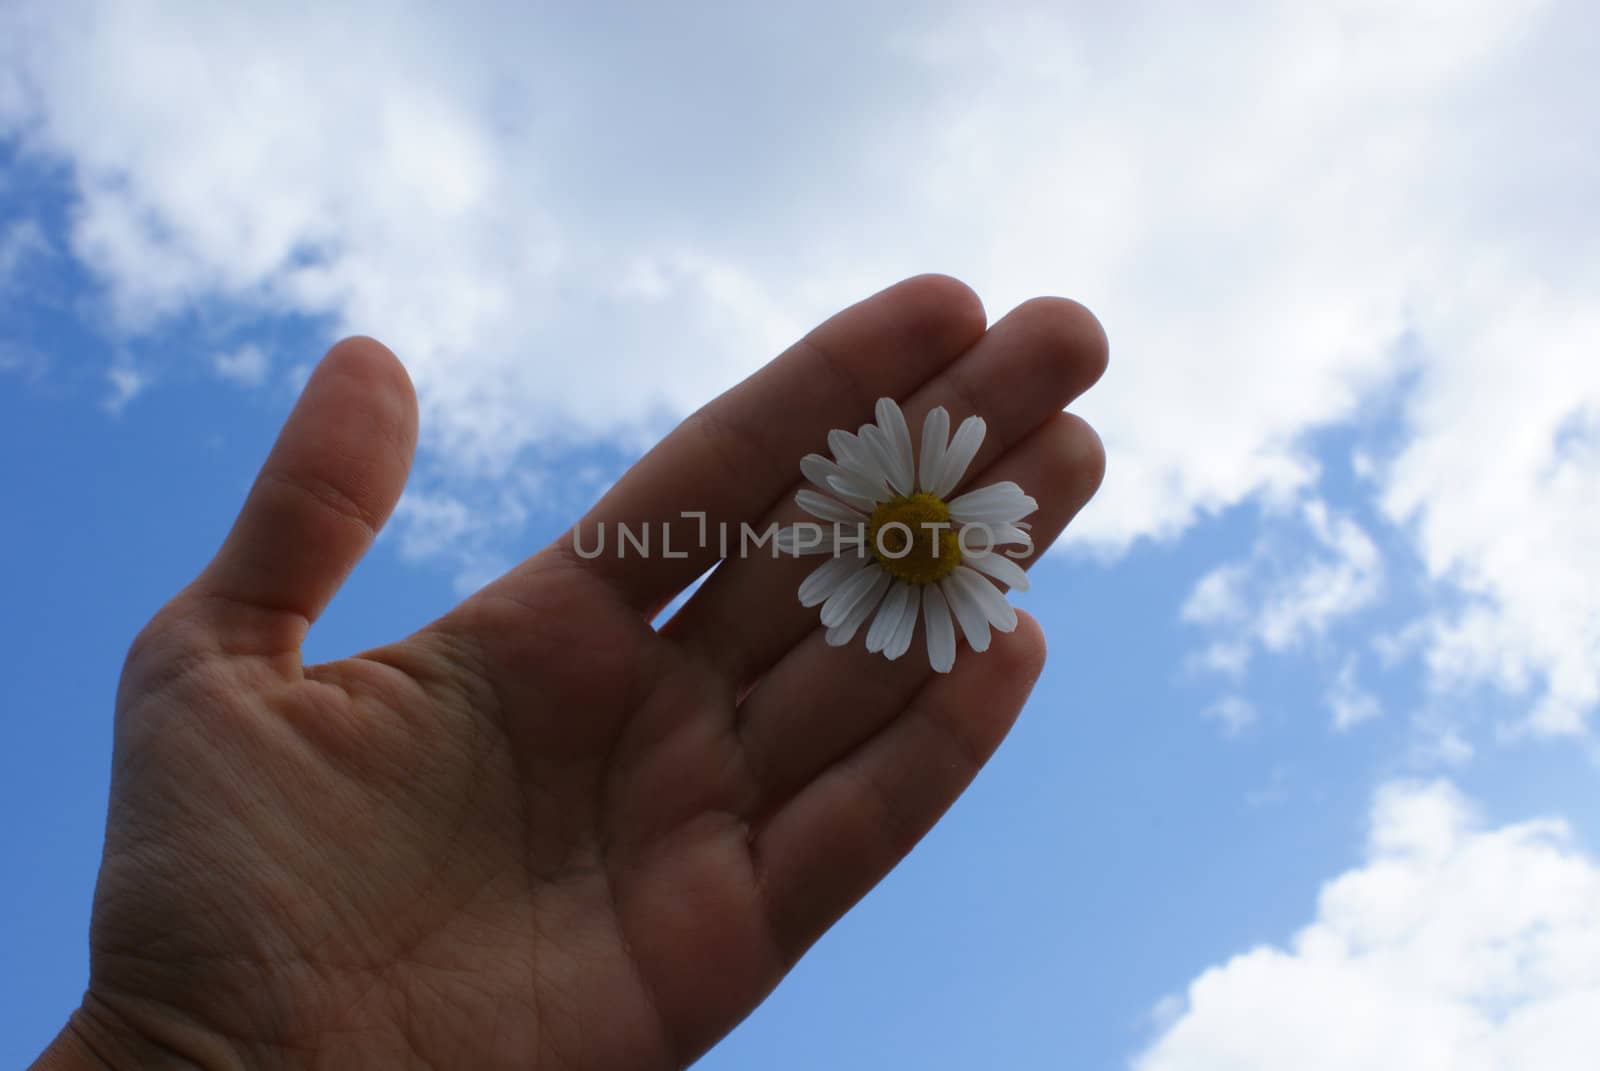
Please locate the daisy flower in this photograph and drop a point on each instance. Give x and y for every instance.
(900, 546)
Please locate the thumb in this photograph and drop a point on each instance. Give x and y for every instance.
(329, 484)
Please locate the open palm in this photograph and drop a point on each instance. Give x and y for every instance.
(541, 832)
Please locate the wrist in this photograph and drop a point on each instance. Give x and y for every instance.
(99, 1037)
(70, 1051)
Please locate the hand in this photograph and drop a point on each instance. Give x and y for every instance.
(540, 832)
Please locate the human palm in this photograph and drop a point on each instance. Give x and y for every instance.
(540, 831)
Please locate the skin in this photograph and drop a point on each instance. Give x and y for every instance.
(539, 832)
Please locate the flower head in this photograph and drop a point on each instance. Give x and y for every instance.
(900, 547)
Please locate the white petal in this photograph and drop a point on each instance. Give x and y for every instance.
(941, 630)
(817, 469)
(990, 599)
(842, 444)
(865, 503)
(848, 594)
(875, 440)
(903, 470)
(840, 634)
(969, 615)
(828, 509)
(963, 448)
(809, 537)
(1000, 567)
(825, 579)
(885, 625)
(847, 485)
(901, 643)
(998, 503)
(855, 457)
(1010, 534)
(935, 436)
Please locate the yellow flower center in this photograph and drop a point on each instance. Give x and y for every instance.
(913, 539)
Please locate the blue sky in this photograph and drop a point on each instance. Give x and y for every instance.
(1351, 425)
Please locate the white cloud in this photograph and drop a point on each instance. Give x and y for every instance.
(1233, 713)
(247, 365)
(1350, 703)
(434, 523)
(1499, 481)
(401, 176)
(1217, 598)
(23, 361)
(1281, 597)
(1276, 790)
(126, 383)
(462, 529)
(20, 240)
(1229, 657)
(1453, 947)
(1348, 579)
(1276, 213)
